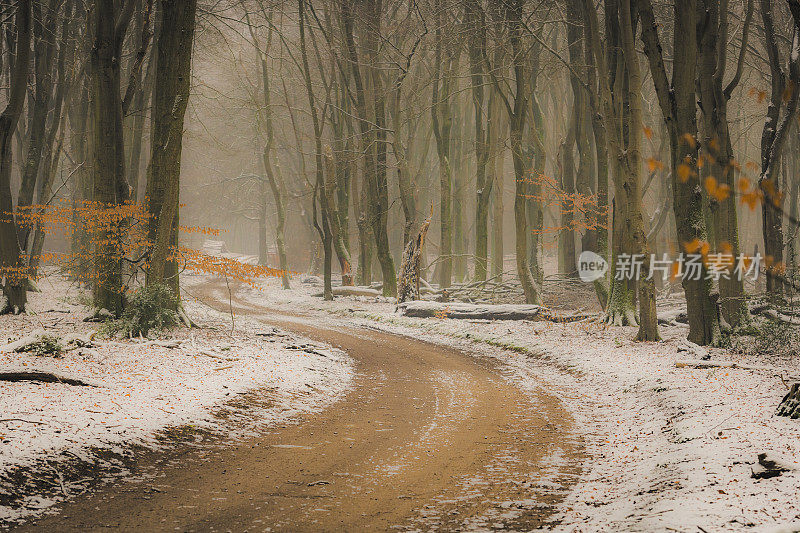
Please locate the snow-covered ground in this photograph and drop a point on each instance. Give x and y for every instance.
(672, 449)
(143, 387)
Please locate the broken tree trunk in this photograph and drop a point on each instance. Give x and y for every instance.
(408, 280)
(790, 405)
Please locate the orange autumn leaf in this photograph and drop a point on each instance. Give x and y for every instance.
(692, 246)
(654, 164)
(675, 270)
(722, 192)
(759, 95)
(701, 161)
(788, 92)
(684, 172)
(744, 184)
(751, 199)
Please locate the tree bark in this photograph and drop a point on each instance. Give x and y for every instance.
(110, 187)
(441, 118)
(44, 45)
(475, 20)
(170, 98)
(678, 108)
(718, 148)
(773, 139)
(12, 269)
(634, 225)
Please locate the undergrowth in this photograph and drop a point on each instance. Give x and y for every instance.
(149, 309)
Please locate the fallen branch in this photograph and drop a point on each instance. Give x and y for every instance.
(21, 420)
(215, 356)
(700, 364)
(44, 377)
(172, 343)
(780, 317)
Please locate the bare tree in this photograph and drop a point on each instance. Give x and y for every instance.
(677, 102)
(13, 273)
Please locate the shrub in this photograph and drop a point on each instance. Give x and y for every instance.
(778, 338)
(45, 346)
(148, 309)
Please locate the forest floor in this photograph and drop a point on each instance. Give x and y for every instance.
(591, 431)
(671, 448)
(58, 440)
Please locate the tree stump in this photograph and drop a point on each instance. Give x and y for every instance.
(790, 405)
(408, 279)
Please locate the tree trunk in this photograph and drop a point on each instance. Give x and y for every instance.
(718, 150)
(320, 190)
(11, 266)
(54, 140)
(678, 107)
(110, 187)
(648, 320)
(170, 98)
(274, 179)
(441, 118)
(476, 27)
(44, 65)
(516, 123)
(380, 218)
(773, 139)
(496, 133)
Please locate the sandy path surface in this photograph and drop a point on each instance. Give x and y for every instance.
(428, 438)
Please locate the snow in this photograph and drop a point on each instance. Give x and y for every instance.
(145, 388)
(671, 448)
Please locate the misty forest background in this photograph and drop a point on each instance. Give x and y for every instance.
(321, 136)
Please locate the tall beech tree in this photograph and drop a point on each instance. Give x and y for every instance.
(445, 65)
(782, 109)
(620, 81)
(110, 188)
(516, 106)
(717, 148)
(13, 275)
(475, 27)
(170, 97)
(676, 98)
(274, 179)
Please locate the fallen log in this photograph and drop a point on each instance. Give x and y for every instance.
(19, 345)
(694, 349)
(780, 317)
(353, 290)
(706, 364)
(44, 377)
(427, 309)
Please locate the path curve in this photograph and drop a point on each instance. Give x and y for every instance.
(428, 438)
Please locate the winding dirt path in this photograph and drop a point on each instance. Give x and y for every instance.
(428, 438)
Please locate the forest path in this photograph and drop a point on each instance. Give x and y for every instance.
(428, 438)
